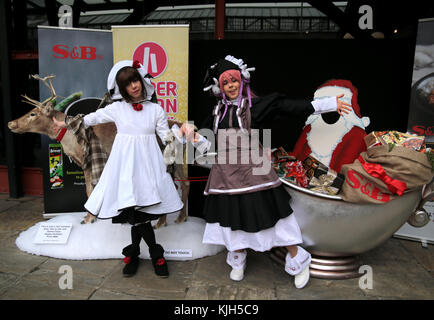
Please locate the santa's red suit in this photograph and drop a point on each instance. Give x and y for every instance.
(338, 143)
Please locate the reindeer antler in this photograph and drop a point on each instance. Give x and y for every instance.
(45, 105)
(49, 86)
(31, 101)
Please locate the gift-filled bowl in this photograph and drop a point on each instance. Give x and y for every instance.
(335, 231)
(332, 227)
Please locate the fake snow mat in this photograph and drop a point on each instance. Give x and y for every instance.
(105, 240)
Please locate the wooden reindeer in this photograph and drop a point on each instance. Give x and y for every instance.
(39, 120)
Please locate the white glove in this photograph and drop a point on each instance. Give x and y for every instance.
(215, 87)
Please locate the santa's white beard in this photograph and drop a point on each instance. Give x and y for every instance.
(323, 138)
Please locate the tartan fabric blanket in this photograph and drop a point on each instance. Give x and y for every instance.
(94, 155)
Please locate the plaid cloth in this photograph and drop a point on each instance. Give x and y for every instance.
(94, 155)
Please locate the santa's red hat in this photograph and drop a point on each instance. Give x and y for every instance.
(345, 84)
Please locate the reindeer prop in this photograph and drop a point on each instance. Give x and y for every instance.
(39, 120)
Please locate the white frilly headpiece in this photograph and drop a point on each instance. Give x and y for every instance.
(112, 86)
(218, 68)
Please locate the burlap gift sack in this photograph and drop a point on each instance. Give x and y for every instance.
(380, 175)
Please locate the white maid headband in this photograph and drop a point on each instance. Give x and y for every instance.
(112, 86)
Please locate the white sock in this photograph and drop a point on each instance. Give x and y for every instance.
(236, 260)
(295, 265)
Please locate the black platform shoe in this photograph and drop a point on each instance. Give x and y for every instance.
(131, 260)
(158, 261)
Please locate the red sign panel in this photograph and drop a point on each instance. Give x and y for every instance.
(153, 57)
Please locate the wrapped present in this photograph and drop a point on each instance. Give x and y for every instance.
(280, 155)
(296, 173)
(279, 168)
(309, 173)
(321, 178)
(404, 140)
(279, 158)
(326, 180)
(393, 138)
(310, 164)
(373, 140)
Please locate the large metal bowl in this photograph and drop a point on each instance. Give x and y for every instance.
(332, 227)
(335, 231)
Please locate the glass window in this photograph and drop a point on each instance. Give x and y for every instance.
(253, 24)
(288, 24)
(270, 24)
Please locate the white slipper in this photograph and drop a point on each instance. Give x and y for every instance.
(237, 274)
(237, 260)
(295, 265)
(301, 279)
(298, 267)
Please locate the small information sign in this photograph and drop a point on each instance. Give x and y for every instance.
(178, 253)
(50, 233)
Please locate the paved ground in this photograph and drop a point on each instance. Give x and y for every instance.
(402, 269)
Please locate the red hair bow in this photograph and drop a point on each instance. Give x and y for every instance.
(136, 64)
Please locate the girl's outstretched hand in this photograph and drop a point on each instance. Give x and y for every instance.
(57, 125)
(188, 130)
(343, 107)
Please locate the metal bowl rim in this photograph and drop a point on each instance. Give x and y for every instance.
(322, 195)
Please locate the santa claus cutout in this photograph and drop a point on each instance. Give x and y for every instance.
(338, 141)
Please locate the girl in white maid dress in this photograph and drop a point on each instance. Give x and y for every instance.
(134, 186)
(245, 210)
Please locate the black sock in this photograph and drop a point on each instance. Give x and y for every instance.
(136, 235)
(133, 249)
(148, 234)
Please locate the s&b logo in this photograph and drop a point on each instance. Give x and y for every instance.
(63, 51)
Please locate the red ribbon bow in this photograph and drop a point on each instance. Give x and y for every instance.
(137, 106)
(127, 260)
(136, 64)
(377, 171)
(296, 169)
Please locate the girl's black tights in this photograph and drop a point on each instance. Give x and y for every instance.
(144, 230)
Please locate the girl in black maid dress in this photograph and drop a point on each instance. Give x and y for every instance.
(243, 209)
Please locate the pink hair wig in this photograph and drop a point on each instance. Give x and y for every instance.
(227, 75)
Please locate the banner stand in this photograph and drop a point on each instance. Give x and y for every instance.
(421, 116)
(80, 59)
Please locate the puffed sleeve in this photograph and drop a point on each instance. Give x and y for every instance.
(324, 105)
(202, 144)
(162, 126)
(101, 115)
(270, 107)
